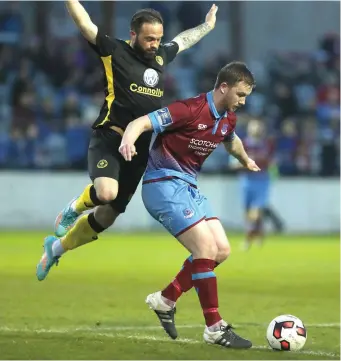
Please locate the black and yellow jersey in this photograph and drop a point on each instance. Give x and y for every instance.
(134, 86)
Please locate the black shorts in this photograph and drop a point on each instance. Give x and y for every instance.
(104, 160)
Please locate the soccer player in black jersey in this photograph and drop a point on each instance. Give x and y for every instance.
(134, 86)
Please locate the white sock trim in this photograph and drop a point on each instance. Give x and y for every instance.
(216, 326)
(168, 302)
(57, 248)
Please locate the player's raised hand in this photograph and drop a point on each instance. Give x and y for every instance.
(211, 16)
(128, 151)
(251, 165)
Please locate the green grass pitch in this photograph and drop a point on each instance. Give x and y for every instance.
(92, 305)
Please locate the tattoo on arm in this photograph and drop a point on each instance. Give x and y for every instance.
(188, 38)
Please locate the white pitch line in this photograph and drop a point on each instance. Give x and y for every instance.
(327, 325)
(129, 328)
(158, 327)
(141, 337)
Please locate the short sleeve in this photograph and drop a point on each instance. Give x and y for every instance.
(171, 117)
(230, 137)
(104, 44)
(171, 49)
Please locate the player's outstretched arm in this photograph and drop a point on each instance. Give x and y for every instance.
(235, 147)
(82, 19)
(189, 37)
(131, 134)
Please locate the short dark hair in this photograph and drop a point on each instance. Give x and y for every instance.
(234, 73)
(143, 16)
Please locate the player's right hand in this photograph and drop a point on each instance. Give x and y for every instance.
(251, 165)
(128, 151)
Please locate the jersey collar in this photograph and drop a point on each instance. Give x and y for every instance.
(213, 109)
(209, 97)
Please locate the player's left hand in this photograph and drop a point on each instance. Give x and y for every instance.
(251, 165)
(128, 151)
(211, 16)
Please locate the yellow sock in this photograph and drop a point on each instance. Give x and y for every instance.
(81, 233)
(84, 202)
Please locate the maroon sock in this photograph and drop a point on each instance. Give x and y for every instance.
(181, 283)
(205, 283)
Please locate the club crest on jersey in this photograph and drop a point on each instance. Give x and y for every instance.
(102, 163)
(159, 60)
(150, 77)
(164, 117)
(188, 213)
(224, 129)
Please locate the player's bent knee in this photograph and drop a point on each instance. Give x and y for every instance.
(106, 194)
(200, 241)
(207, 249)
(223, 253)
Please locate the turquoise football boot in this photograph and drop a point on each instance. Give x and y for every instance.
(65, 219)
(47, 260)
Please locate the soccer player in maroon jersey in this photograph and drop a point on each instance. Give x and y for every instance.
(187, 133)
(255, 186)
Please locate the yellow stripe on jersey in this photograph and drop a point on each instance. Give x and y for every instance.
(110, 80)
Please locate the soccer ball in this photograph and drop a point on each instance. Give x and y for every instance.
(286, 333)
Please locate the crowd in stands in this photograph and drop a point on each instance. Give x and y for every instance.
(51, 92)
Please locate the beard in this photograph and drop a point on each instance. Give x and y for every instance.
(146, 54)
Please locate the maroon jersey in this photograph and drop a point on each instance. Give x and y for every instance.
(187, 131)
(260, 150)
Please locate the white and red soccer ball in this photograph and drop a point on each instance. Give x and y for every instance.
(286, 333)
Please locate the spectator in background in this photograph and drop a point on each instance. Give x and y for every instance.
(47, 117)
(286, 147)
(24, 131)
(58, 64)
(77, 137)
(301, 85)
(6, 64)
(34, 53)
(71, 109)
(330, 44)
(328, 110)
(91, 106)
(328, 115)
(285, 100)
(307, 157)
(76, 133)
(330, 81)
(22, 82)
